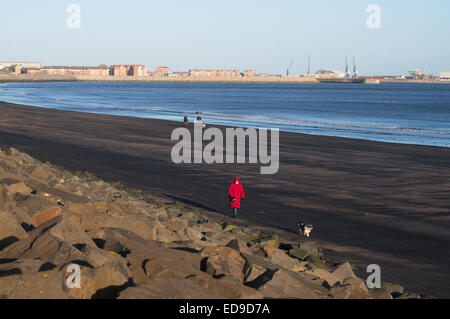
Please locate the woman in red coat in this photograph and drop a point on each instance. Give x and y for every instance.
(235, 193)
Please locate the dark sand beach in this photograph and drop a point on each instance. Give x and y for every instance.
(370, 202)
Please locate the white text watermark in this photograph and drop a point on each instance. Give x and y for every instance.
(213, 152)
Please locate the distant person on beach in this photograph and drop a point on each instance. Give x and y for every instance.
(235, 193)
(199, 121)
(186, 120)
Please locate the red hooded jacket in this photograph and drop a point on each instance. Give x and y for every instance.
(236, 191)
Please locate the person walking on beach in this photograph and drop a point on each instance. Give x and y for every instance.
(186, 120)
(235, 193)
(199, 121)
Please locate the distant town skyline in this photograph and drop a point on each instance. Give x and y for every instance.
(261, 35)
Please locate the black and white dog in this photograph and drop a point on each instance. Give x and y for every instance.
(304, 230)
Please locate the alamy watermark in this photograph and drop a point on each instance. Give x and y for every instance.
(74, 18)
(374, 279)
(213, 152)
(374, 19)
(74, 278)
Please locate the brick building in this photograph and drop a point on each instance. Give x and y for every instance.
(101, 70)
(228, 73)
(214, 73)
(249, 73)
(123, 70)
(202, 73)
(23, 65)
(162, 71)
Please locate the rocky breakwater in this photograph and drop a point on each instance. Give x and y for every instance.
(130, 245)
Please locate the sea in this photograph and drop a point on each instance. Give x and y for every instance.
(406, 113)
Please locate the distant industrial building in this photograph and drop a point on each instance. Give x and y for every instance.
(249, 73)
(5, 65)
(180, 74)
(101, 70)
(162, 71)
(118, 70)
(445, 76)
(420, 75)
(122, 70)
(202, 73)
(228, 73)
(219, 73)
(329, 74)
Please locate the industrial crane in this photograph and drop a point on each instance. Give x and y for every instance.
(355, 70)
(289, 68)
(347, 70)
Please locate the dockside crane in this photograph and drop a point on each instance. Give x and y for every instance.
(289, 68)
(355, 70)
(347, 70)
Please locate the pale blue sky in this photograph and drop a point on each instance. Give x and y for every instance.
(257, 34)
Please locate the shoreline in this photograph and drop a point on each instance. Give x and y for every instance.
(344, 187)
(218, 125)
(266, 79)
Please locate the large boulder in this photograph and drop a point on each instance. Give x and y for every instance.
(42, 172)
(86, 208)
(7, 202)
(219, 237)
(102, 282)
(168, 288)
(25, 266)
(195, 287)
(34, 204)
(226, 288)
(126, 244)
(10, 229)
(159, 213)
(17, 187)
(223, 261)
(45, 215)
(351, 288)
(140, 225)
(38, 285)
(171, 263)
(60, 240)
(183, 229)
(168, 267)
(283, 283)
(239, 246)
(148, 259)
(343, 272)
(307, 250)
(388, 291)
(255, 267)
(161, 233)
(267, 241)
(325, 275)
(8, 165)
(279, 257)
(105, 281)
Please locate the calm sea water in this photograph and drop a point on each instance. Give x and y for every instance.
(389, 112)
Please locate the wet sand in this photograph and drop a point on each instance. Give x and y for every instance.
(370, 202)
